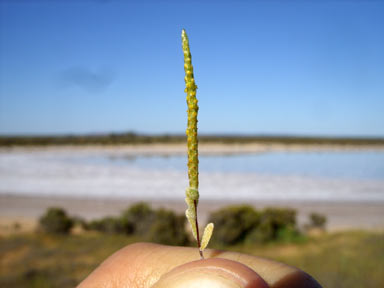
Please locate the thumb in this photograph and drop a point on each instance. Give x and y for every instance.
(213, 272)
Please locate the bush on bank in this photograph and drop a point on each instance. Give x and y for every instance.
(56, 221)
(243, 224)
(233, 224)
(317, 221)
(158, 226)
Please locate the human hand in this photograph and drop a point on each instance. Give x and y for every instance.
(145, 265)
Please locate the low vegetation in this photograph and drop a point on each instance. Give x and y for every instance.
(52, 258)
(147, 224)
(317, 221)
(338, 260)
(56, 221)
(243, 224)
(234, 224)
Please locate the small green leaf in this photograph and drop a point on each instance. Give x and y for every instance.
(206, 236)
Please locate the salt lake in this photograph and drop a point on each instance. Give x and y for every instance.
(332, 175)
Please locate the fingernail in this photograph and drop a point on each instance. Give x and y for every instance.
(213, 272)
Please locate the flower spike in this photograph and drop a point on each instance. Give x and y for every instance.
(192, 193)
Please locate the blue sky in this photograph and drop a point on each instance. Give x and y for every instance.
(262, 67)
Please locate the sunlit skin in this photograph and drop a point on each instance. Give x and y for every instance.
(145, 265)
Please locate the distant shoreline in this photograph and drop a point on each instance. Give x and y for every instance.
(140, 139)
(207, 149)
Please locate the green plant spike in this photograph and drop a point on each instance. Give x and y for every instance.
(192, 192)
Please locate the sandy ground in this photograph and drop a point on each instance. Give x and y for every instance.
(20, 213)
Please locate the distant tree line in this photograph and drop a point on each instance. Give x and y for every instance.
(133, 138)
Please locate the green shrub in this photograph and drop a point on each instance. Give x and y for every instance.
(160, 226)
(138, 219)
(274, 220)
(109, 225)
(260, 234)
(168, 228)
(289, 234)
(56, 221)
(233, 224)
(317, 220)
(239, 224)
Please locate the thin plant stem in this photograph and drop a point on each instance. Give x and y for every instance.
(197, 232)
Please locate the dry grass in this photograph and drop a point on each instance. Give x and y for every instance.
(345, 259)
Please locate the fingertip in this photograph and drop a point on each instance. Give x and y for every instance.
(213, 272)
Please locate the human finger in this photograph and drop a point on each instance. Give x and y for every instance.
(141, 265)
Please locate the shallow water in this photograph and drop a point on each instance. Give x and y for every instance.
(335, 176)
(346, 165)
